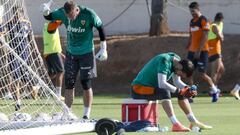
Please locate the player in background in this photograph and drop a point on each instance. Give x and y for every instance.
(19, 29)
(235, 91)
(2, 30)
(151, 83)
(3, 55)
(198, 47)
(79, 22)
(53, 54)
(215, 39)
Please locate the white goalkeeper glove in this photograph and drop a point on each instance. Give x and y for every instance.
(45, 8)
(102, 54)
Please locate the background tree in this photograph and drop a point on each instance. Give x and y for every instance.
(158, 22)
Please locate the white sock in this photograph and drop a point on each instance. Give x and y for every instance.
(9, 93)
(236, 88)
(18, 102)
(174, 120)
(86, 111)
(58, 91)
(214, 89)
(191, 117)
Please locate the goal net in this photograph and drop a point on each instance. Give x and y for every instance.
(27, 96)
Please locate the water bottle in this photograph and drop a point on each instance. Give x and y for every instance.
(193, 87)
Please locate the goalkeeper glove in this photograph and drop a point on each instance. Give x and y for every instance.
(188, 92)
(45, 8)
(102, 54)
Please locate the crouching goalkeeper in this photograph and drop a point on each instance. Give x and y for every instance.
(79, 22)
(151, 84)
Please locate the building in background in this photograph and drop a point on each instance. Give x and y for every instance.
(136, 18)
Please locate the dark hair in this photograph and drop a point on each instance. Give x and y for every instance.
(69, 6)
(194, 5)
(187, 67)
(218, 16)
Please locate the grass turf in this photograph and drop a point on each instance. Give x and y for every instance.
(224, 115)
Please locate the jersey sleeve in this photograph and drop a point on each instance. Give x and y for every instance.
(163, 66)
(205, 24)
(58, 14)
(52, 26)
(96, 21)
(178, 82)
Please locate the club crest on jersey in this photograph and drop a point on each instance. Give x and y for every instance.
(83, 22)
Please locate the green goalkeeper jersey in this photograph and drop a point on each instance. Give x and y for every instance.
(162, 63)
(80, 30)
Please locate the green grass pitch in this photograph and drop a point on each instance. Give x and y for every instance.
(224, 115)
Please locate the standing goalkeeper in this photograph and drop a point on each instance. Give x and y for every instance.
(79, 21)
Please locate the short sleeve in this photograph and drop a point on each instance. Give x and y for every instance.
(58, 14)
(97, 22)
(205, 24)
(163, 66)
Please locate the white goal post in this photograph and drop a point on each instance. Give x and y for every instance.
(28, 103)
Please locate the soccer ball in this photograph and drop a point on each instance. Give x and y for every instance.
(3, 117)
(57, 116)
(20, 117)
(42, 117)
(196, 129)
